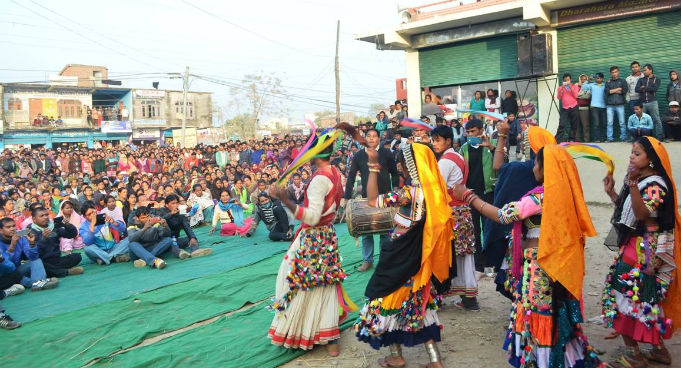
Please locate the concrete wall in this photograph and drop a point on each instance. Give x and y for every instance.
(85, 74)
(592, 172)
(413, 83)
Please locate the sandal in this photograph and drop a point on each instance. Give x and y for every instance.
(628, 362)
(658, 355)
(383, 362)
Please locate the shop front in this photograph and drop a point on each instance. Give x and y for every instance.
(592, 38)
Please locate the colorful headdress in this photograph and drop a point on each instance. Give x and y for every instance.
(539, 137)
(312, 149)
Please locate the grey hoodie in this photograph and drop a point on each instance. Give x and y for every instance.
(674, 91)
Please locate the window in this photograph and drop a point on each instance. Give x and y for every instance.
(14, 103)
(151, 108)
(190, 109)
(70, 108)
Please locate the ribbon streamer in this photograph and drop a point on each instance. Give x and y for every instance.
(415, 124)
(591, 152)
(491, 115)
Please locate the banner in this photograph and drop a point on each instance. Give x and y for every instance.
(609, 10)
(146, 134)
(116, 126)
(190, 137)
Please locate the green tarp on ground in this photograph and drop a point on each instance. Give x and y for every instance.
(101, 284)
(237, 340)
(75, 338)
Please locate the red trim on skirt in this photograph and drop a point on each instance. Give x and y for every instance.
(304, 342)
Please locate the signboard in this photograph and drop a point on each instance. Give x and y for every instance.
(116, 126)
(146, 134)
(150, 122)
(150, 93)
(609, 10)
(190, 137)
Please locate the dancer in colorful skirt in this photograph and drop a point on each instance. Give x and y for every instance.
(309, 294)
(642, 297)
(454, 171)
(550, 224)
(402, 304)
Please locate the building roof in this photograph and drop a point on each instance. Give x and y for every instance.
(82, 65)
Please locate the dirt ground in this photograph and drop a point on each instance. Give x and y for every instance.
(474, 339)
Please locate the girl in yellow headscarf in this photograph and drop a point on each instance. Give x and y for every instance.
(551, 223)
(642, 297)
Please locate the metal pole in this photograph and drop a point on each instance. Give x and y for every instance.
(185, 88)
(337, 75)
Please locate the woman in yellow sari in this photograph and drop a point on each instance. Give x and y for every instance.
(551, 224)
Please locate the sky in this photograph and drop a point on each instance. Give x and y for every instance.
(141, 41)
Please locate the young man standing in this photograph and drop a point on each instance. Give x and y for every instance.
(616, 90)
(597, 89)
(647, 89)
(454, 171)
(633, 96)
(569, 114)
(477, 152)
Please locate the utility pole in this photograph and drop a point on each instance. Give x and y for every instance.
(337, 75)
(185, 89)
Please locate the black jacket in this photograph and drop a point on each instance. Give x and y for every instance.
(150, 236)
(672, 119)
(388, 178)
(279, 217)
(176, 223)
(509, 105)
(647, 88)
(48, 248)
(616, 98)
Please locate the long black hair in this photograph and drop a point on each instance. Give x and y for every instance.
(666, 210)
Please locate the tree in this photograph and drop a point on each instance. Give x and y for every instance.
(239, 126)
(262, 95)
(375, 108)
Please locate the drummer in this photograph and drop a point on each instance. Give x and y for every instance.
(388, 179)
(454, 170)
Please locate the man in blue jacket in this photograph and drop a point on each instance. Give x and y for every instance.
(640, 123)
(14, 248)
(99, 239)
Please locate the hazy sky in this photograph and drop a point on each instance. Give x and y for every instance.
(221, 39)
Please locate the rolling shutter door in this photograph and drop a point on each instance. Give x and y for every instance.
(469, 62)
(592, 48)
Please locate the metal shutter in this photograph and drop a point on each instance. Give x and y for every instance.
(469, 62)
(592, 48)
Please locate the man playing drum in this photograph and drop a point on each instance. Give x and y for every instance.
(388, 179)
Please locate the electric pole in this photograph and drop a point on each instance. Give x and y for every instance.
(337, 75)
(184, 104)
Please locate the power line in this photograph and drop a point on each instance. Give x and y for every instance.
(78, 33)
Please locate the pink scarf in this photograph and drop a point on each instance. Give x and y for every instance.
(517, 251)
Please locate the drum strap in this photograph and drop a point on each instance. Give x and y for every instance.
(463, 166)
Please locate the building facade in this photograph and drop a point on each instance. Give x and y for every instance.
(54, 115)
(453, 49)
(88, 75)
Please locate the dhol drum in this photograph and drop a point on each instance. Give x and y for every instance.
(363, 219)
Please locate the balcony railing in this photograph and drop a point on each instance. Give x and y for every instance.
(449, 7)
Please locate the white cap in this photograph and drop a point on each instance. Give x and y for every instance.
(674, 103)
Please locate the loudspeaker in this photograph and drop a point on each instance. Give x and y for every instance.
(542, 55)
(524, 55)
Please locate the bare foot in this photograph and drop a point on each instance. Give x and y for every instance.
(333, 349)
(391, 361)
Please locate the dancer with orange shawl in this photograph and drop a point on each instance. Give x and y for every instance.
(642, 297)
(544, 329)
(402, 305)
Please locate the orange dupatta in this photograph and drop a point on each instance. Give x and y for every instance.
(671, 305)
(565, 221)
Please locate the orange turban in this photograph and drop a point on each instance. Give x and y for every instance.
(565, 221)
(539, 137)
